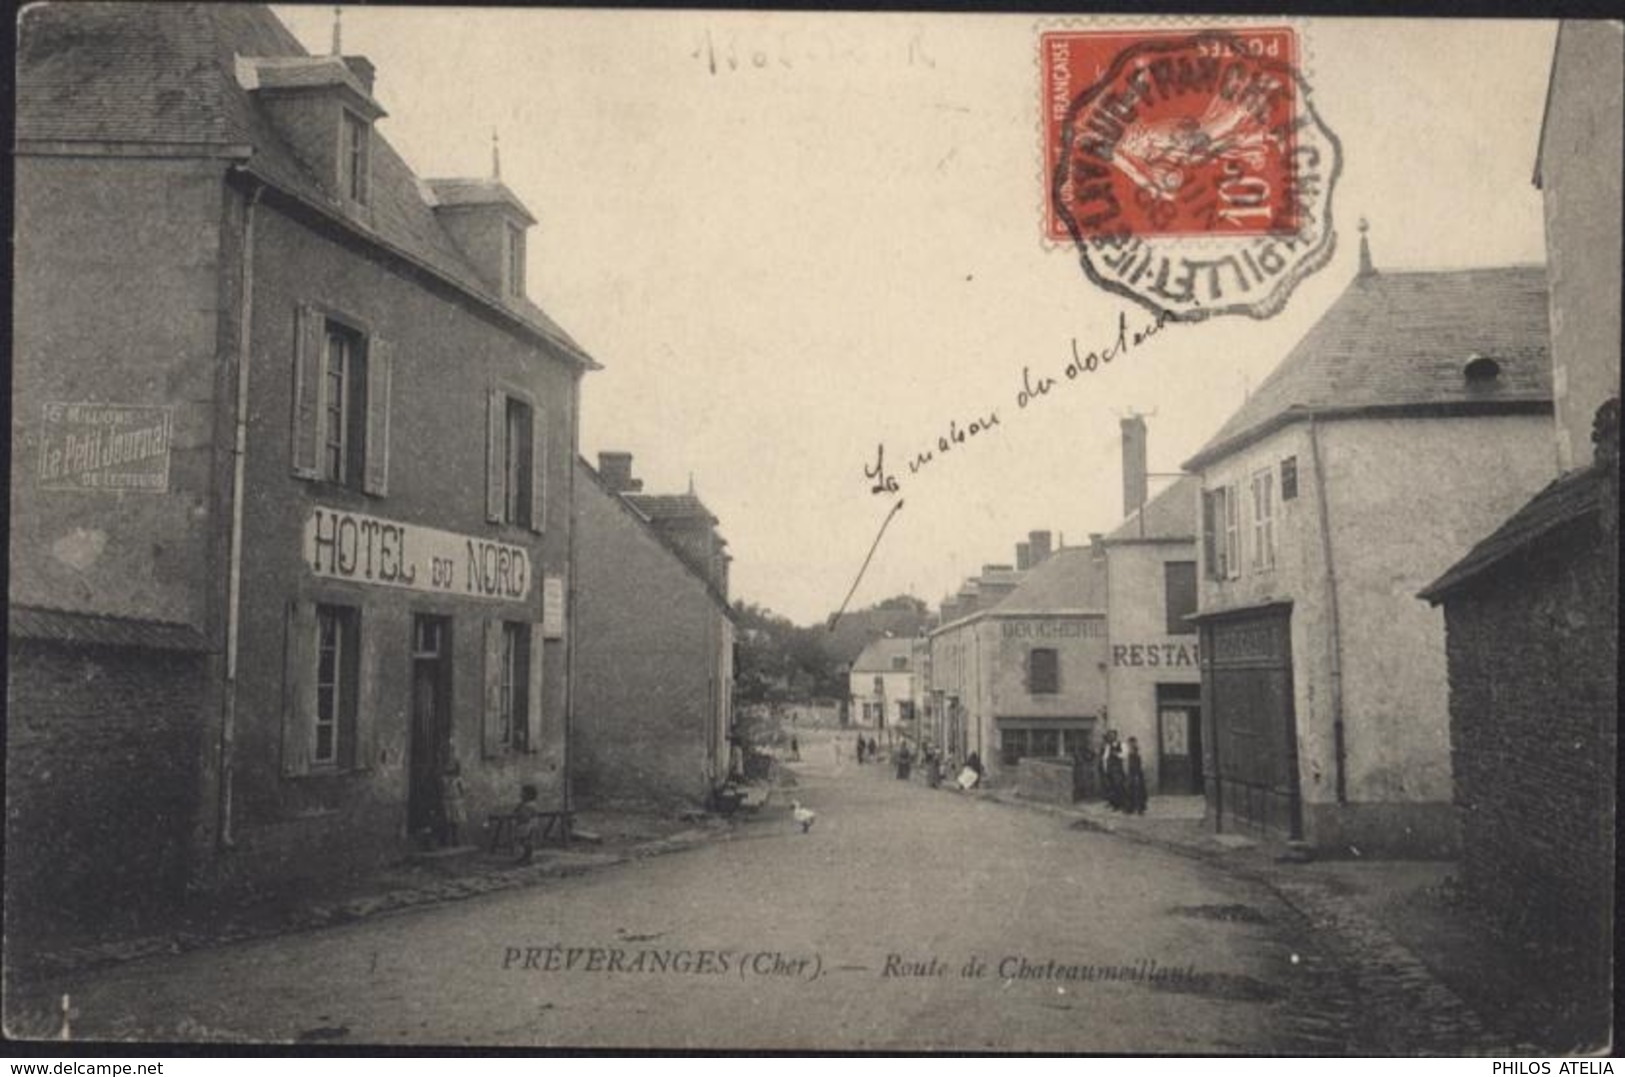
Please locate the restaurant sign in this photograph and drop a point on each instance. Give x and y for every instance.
(357, 548)
(106, 447)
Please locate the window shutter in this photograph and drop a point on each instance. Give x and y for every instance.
(496, 413)
(380, 368)
(491, 731)
(1210, 545)
(298, 688)
(366, 707)
(309, 348)
(538, 469)
(533, 692)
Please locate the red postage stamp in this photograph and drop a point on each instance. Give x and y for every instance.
(1189, 167)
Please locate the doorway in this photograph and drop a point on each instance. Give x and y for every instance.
(1179, 739)
(430, 745)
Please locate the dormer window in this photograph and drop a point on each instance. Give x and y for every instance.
(354, 158)
(515, 275)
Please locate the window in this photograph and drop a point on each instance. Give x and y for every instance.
(354, 158)
(513, 688)
(1179, 594)
(1221, 533)
(344, 420)
(899, 662)
(1012, 746)
(341, 404)
(516, 259)
(516, 450)
(1043, 671)
(516, 462)
(513, 683)
(1264, 519)
(880, 686)
(1289, 478)
(337, 652)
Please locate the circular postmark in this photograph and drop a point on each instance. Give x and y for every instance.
(1195, 176)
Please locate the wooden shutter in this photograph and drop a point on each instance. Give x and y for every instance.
(309, 351)
(1210, 545)
(298, 687)
(380, 374)
(366, 708)
(538, 468)
(533, 691)
(491, 728)
(496, 415)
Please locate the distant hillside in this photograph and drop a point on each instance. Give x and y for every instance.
(854, 630)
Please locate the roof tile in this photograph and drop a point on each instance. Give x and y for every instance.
(1397, 339)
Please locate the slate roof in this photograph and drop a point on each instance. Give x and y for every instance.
(670, 506)
(1169, 515)
(1068, 580)
(1565, 501)
(642, 521)
(1397, 341)
(476, 192)
(91, 629)
(166, 74)
(877, 656)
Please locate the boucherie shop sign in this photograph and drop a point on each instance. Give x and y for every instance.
(358, 548)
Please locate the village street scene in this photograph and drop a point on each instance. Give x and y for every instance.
(581, 529)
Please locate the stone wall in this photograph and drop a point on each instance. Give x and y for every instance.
(1533, 651)
(1048, 780)
(101, 792)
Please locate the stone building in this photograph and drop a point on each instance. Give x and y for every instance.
(881, 684)
(1531, 613)
(1154, 681)
(1024, 676)
(1409, 420)
(291, 467)
(654, 642)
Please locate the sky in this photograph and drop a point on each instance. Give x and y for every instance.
(794, 238)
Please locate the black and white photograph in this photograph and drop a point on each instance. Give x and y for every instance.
(887, 532)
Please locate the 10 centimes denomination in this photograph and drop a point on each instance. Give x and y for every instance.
(1189, 168)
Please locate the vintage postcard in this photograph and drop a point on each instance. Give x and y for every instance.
(740, 531)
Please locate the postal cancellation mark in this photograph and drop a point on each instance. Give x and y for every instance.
(1190, 169)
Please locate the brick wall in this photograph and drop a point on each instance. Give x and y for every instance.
(1533, 649)
(101, 788)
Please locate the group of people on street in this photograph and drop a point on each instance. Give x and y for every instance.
(867, 750)
(1122, 774)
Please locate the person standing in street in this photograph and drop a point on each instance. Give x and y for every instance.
(1116, 784)
(1136, 779)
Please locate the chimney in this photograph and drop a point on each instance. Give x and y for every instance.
(615, 468)
(362, 69)
(1134, 477)
(1038, 547)
(1097, 545)
(1024, 556)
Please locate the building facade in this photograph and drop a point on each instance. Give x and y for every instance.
(881, 685)
(1154, 682)
(1025, 677)
(1412, 416)
(282, 402)
(654, 650)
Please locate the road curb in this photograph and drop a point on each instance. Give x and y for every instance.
(1387, 972)
(492, 879)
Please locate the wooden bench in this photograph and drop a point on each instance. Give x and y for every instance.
(504, 824)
